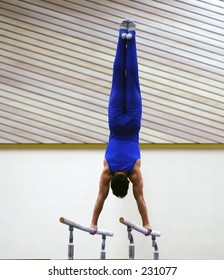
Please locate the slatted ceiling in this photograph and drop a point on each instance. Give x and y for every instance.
(41, 93)
(199, 8)
(185, 10)
(191, 131)
(23, 134)
(175, 134)
(175, 79)
(184, 97)
(34, 53)
(13, 138)
(68, 70)
(154, 114)
(23, 125)
(159, 137)
(86, 115)
(68, 130)
(187, 107)
(52, 122)
(214, 3)
(55, 112)
(49, 131)
(56, 74)
(158, 11)
(213, 60)
(54, 43)
(185, 117)
(180, 68)
(44, 102)
(178, 82)
(45, 83)
(202, 62)
(40, 78)
(82, 33)
(209, 98)
(3, 140)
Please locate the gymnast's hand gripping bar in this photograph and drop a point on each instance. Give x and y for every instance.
(139, 228)
(86, 228)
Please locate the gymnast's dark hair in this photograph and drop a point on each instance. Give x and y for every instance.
(119, 185)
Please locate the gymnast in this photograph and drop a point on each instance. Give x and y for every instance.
(122, 157)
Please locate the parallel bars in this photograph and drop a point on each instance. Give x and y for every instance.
(105, 233)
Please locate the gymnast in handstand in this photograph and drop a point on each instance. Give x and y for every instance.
(122, 157)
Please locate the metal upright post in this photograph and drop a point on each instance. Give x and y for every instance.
(155, 247)
(103, 248)
(70, 245)
(131, 244)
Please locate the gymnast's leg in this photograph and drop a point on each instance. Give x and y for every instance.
(133, 96)
(117, 94)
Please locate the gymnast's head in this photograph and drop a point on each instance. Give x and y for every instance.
(119, 184)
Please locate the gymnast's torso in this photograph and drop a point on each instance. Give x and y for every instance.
(123, 150)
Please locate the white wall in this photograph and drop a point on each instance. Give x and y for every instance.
(184, 191)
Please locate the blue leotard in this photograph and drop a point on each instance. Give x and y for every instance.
(125, 109)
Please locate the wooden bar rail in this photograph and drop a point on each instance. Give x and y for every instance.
(139, 228)
(85, 228)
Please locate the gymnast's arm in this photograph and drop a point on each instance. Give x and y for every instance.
(104, 187)
(137, 181)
